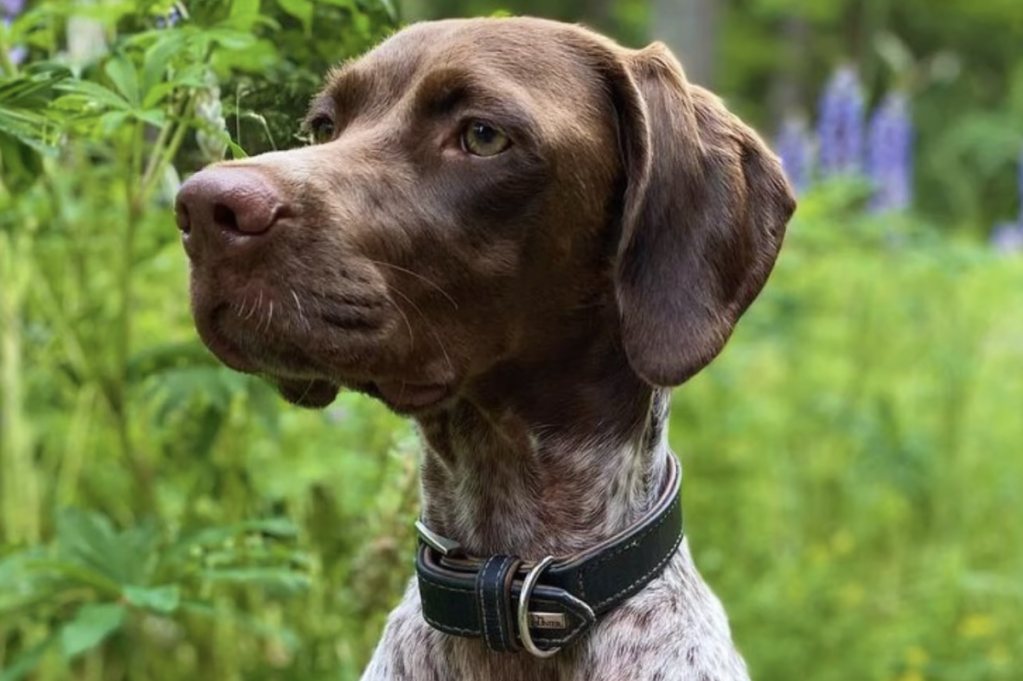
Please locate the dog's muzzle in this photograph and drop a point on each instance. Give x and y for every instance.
(543, 606)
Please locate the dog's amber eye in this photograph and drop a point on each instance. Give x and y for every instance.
(482, 139)
(321, 130)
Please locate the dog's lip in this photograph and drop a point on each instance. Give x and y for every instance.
(410, 397)
(227, 352)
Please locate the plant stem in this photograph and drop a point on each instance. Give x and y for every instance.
(19, 520)
(122, 409)
(164, 157)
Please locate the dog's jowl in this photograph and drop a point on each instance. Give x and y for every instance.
(521, 235)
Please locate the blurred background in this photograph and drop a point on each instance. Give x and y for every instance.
(854, 459)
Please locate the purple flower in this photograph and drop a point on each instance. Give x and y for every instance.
(890, 154)
(840, 124)
(169, 20)
(11, 8)
(795, 147)
(1008, 237)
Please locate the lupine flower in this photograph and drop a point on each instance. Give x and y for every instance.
(890, 154)
(17, 53)
(840, 125)
(1008, 237)
(795, 147)
(11, 8)
(171, 18)
(86, 40)
(208, 109)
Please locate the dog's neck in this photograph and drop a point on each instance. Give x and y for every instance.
(511, 471)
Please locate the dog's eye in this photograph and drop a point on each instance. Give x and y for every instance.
(483, 139)
(321, 130)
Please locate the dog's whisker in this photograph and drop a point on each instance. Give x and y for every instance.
(422, 278)
(408, 324)
(301, 312)
(429, 327)
(255, 306)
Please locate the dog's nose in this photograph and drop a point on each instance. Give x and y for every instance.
(228, 199)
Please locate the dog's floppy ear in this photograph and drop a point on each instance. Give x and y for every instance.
(705, 210)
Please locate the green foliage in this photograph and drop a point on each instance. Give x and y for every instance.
(852, 460)
(110, 405)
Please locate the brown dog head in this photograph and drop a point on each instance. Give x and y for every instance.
(486, 193)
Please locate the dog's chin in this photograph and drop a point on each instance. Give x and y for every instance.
(411, 398)
(315, 393)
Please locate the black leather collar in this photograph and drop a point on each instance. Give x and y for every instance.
(480, 597)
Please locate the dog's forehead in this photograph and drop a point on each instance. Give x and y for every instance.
(542, 54)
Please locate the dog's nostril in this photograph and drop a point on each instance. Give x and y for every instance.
(225, 218)
(183, 219)
(227, 200)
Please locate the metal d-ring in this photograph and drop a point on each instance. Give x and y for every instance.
(523, 612)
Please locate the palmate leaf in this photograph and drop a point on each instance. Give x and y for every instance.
(90, 540)
(95, 93)
(162, 599)
(32, 91)
(91, 625)
(27, 127)
(121, 72)
(26, 124)
(172, 557)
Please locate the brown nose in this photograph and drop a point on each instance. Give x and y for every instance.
(228, 200)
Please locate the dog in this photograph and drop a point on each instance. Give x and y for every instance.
(523, 236)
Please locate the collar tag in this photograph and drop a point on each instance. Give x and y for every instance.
(448, 548)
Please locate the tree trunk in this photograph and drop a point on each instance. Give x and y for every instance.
(689, 28)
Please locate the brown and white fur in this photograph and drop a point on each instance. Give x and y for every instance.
(530, 302)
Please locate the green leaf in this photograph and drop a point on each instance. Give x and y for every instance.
(301, 10)
(111, 121)
(92, 624)
(236, 151)
(209, 537)
(230, 39)
(95, 93)
(155, 117)
(281, 578)
(157, 58)
(32, 91)
(162, 599)
(20, 164)
(244, 14)
(88, 539)
(70, 574)
(122, 74)
(27, 127)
